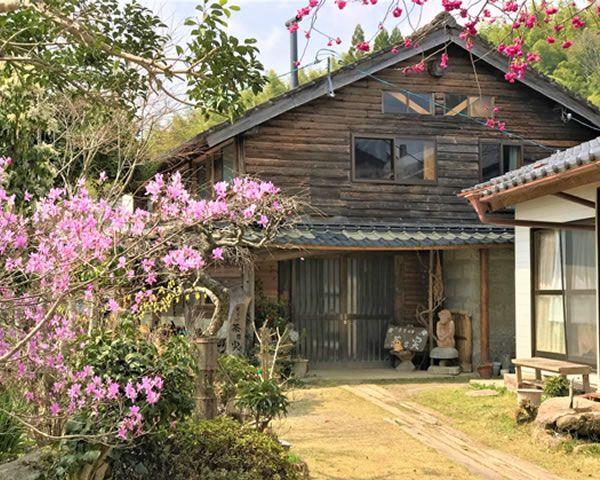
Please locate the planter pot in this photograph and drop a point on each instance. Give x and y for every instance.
(300, 367)
(533, 395)
(485, 370)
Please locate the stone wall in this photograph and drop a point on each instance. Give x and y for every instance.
(461, 278)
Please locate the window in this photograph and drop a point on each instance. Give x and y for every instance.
(473, 106)
(408, 102)
(218, 167)
(497, 158)
(394, 159)
(224, 163)
(565, 295)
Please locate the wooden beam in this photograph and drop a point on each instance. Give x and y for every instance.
(597, 235)
(333, 249)
(430, 302)
(575, 199)
(484, 311)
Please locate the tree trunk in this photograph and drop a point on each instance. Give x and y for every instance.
(205, 344)
(206, 358)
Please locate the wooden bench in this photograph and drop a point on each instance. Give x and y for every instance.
(561, 367)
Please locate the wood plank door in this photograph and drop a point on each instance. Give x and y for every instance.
(342, 306)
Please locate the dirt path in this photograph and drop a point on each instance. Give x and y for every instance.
(433, 431)
(342, 437)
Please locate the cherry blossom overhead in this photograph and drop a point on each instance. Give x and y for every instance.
(474, 15)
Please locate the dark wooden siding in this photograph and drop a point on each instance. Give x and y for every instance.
(308, 149)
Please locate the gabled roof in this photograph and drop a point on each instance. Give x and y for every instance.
(332, 235)
(442, 30)
(556, 164)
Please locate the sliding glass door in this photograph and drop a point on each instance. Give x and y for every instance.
(565, 295)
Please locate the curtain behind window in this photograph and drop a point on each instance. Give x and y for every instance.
(565, 300)
(580, 272)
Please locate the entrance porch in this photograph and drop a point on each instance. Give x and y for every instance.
(344, 286)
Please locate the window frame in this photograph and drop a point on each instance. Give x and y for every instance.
(393, 138)
(470, 99)
(431, 101)
(502, 144)
(564, 294)
(210, 158)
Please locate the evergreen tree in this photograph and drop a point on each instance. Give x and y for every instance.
(382, 40)
(352, 54)
(395, 37)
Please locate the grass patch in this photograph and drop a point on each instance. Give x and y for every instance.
(490, 420)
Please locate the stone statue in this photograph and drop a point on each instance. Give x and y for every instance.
(445, 353)
(444, 330)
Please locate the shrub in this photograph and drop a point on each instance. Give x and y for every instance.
(129, 352)
(264, 399)
(556, 386)
(220, 449)
(12, 435)
(232, 371)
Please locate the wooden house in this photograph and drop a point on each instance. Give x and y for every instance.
(380, 156)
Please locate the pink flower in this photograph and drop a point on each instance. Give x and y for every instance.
(54, 409)
(217, 253)
(397, 12)
(113, 306)
(341, 4)
(444, 61)
(550, 39)
(152, 397)
(566, 44)
(249, 212)
(130, 392)
(112, 391)
(74, 391)
(263, 221)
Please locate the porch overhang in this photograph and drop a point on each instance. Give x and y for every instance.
(378, 237)
(554, 175)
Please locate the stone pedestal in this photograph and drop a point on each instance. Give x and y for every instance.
(405, 360)
(446, 358)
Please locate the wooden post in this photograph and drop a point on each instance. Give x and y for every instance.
(206, 358)
(597, 242)
(430, 303)
(485, 367)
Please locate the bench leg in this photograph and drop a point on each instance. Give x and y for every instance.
(519, 376)
(587, 388)
(538, 374)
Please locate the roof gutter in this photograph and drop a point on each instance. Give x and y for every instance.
(482, 208)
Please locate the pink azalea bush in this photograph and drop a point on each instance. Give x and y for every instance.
(75, 261)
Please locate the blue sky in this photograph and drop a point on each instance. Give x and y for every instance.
(264, 20)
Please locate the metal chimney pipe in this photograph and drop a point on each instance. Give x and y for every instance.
(293, 53)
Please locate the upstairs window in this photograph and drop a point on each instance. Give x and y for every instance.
(473, 106)
(221, 166)
(408, 102)
(394, 160)
(497, 158)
